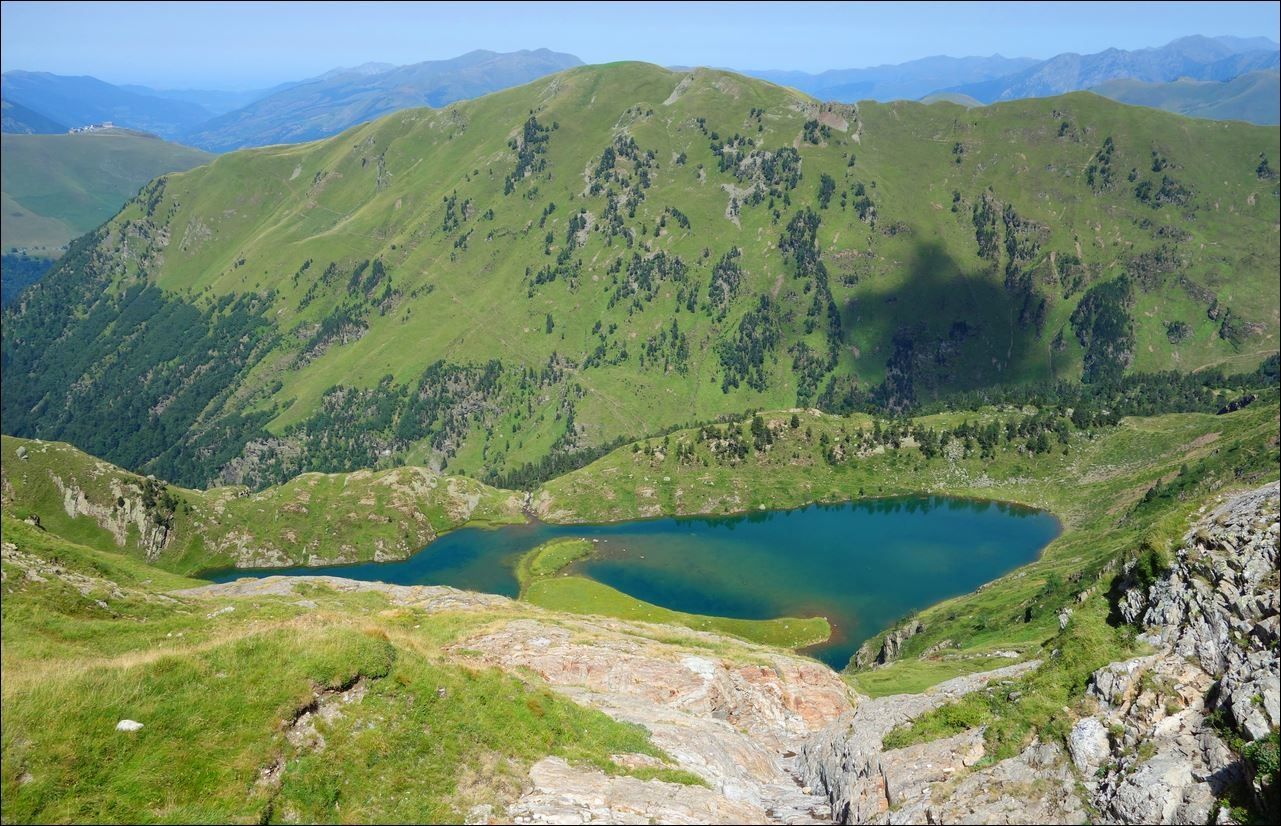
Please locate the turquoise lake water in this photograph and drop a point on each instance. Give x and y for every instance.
(860, 564)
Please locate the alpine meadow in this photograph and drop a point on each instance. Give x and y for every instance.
(646, 444)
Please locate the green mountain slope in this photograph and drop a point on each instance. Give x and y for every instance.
(58, 187)
(23, 121)
(620, 249)
(1253, 97)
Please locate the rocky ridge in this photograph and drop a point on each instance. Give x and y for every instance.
(932, 782)
(1156, 746)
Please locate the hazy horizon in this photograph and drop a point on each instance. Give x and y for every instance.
(241, 46)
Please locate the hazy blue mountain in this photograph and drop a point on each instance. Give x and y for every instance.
(345, 97)
(370, 68)
(1254, 96)
(213, 101)
(1196, 58)
(20, 120)
(80, 101)
(910, 80)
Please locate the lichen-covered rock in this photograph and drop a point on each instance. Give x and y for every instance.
(1213, 619)
(1088, 744)
(1036, 786)
(568, 794)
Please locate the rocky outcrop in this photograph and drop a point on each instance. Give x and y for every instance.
(126, 511)
(890, 647)
(563, 793)
(1219, 607)
(735, 723)
(934, 782)
(1213, 621)
(431, 598)
(732, 713)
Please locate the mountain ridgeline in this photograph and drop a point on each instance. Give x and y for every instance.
(507, 285)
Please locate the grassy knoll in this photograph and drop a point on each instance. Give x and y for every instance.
(90, 639)
(540, 585)
(550, 558)
(580, 595)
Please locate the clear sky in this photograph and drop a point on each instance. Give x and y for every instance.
(247, 45)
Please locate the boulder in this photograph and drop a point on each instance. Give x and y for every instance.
(1089, 745)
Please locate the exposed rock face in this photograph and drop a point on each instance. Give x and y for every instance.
(890, 647)
(127, 511)
(732, 713)
(735, 724)
(1213, 619)
(929, 782)
(425, 597)
(1219, 606)
(569, 794)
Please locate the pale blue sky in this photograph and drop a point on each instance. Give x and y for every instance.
(248, 45)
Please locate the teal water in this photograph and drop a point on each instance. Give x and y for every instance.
(860, 564)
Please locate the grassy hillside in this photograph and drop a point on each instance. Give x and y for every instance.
(1253, 97)
(313, 519)
(92, 638)
(58, 187)
(621, 249)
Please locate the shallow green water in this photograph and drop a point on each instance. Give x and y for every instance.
(861, 564)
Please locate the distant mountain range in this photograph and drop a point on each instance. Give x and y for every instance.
(80, 101)
(1194, 58)
(40, 102)
(331, 103)
(1215, 61)
(904, 81)
(1205, 72)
